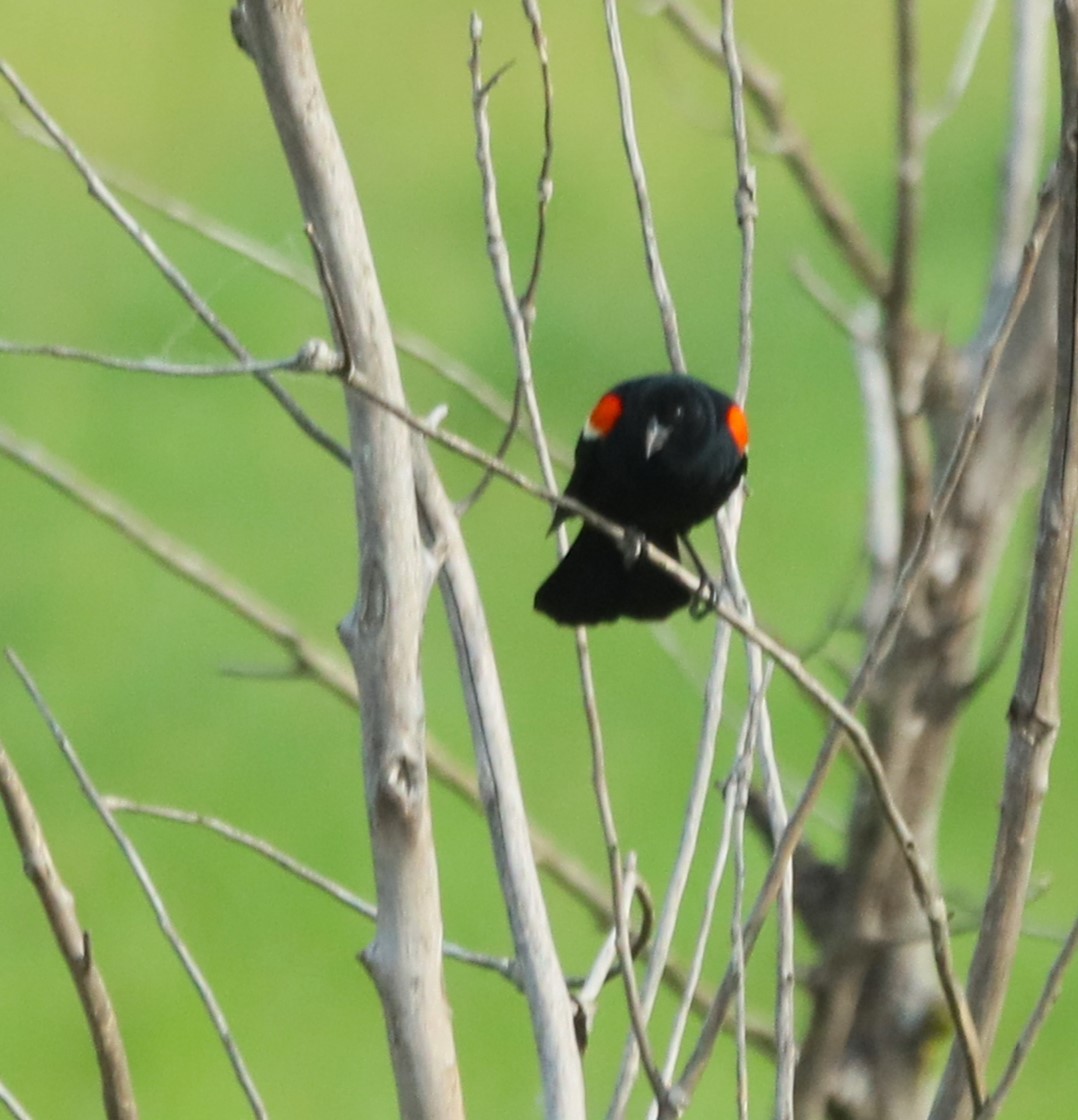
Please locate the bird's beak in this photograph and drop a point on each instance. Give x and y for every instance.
(655, 437)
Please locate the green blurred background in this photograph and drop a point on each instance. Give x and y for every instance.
(131, 658)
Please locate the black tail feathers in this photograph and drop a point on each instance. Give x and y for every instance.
(594, 583)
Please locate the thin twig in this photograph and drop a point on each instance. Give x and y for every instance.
(1034, 711)
(618, 877)
(519, 333)
(1053, 985)
(12, 1104)
(969, 50)
(313, 356)
(73, 942)
(408, 342)
(881, 642)
(831, 208)
(738, 792)
(692, 820)
(690, 580)
(1022, 160)
(101, 193)
(311, 661)
(899, 331)
(545, 185)
(602, 969)
(205, 992)
(703, 934)
(466, 379)
(499, 252)
(414, 345)
(838, 311)
(667, 311)
(339, 893)
(760, 719)
(778, 817)
(744, 198)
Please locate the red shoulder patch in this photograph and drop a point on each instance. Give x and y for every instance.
(738, 424)
(604, 416)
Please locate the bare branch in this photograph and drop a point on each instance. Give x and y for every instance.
(545, 185)
(760, 735)
(667, 311)
(384, 631)
(460, 375)
(1053, 985)
(100, 192)
(1022, 161)
(134, 860)
(408, 342)
(414, 345)
(313, 356)
(831, 208)
(74, 944)
(969, 50)
(718, 871)
(883, 523)
(502, 801)
(501, 965)
(744, 198)
(1034, 710)
(311, 661)
(587, 998)
(562, 1074)
(762, 741)
(618, 877)
(12, 1104)
(700, 788)
(907, 364)
(738, 792)
(499, 256)
(845, 317)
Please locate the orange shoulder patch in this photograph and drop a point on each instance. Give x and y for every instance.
(738, 424)
(604, 416)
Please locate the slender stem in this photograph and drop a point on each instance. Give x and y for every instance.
(663, 296)
(145, 881)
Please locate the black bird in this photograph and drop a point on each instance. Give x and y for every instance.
(658, 455)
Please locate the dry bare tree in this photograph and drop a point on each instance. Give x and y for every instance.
(954, 431)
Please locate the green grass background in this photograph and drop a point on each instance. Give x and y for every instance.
(130, 658)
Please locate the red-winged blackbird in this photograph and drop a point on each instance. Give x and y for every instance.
(658, 455)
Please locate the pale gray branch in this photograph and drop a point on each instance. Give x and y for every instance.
(1053, 985)
(663, 296)
(310, 660)
(1022, 161)
(12, 1104)
(744, 198)
(831, 208)
(101, 193)
(1034, 711)
(383, 633)
(700, 787)
(502, 965)
(502, 801)
(545, 185)
(718, 872)
(313, 356)
(969, 50)
(134, 860)
(73, 942)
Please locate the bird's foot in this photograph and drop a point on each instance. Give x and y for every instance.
(705, 598)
